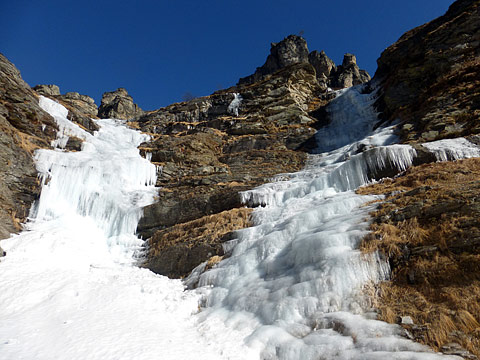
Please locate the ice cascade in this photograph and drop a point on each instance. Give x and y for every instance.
(107, 182)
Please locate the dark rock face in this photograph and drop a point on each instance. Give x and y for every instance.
(118, 105)
(24, 127)
(208, 155)
(293, 50)
(430, 77)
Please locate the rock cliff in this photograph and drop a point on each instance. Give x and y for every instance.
(24, 127)
(430, 77)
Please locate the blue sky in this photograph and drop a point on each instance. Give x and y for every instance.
(160, 50)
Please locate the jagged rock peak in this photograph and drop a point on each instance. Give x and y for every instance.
(324, 66)
(119, 105)
(293, 50)
(47, 90)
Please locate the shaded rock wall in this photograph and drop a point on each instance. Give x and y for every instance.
(24, 127)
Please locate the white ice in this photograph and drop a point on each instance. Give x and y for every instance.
(68, 286)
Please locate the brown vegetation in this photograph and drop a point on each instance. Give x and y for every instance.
(429, 229)
(175, 250)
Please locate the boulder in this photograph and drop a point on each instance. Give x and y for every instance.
(118, 105)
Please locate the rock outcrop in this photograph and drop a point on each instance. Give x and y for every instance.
(430, 77)
(208, 155)
(47, 90)
(293, 50)
(348, 74)
(24, 127)
(118, 105)
(324, 67)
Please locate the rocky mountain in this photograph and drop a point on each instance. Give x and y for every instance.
(211, 148)
(430, 76)
(209, 152)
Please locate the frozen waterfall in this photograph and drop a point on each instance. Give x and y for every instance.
(294, 283)
(69, 287)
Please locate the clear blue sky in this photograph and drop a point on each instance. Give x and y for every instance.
(160, 50)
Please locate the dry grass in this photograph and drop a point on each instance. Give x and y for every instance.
(208, 229)
(429, 229)
(29, 143)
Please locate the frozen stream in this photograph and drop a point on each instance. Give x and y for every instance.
(292, 289)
